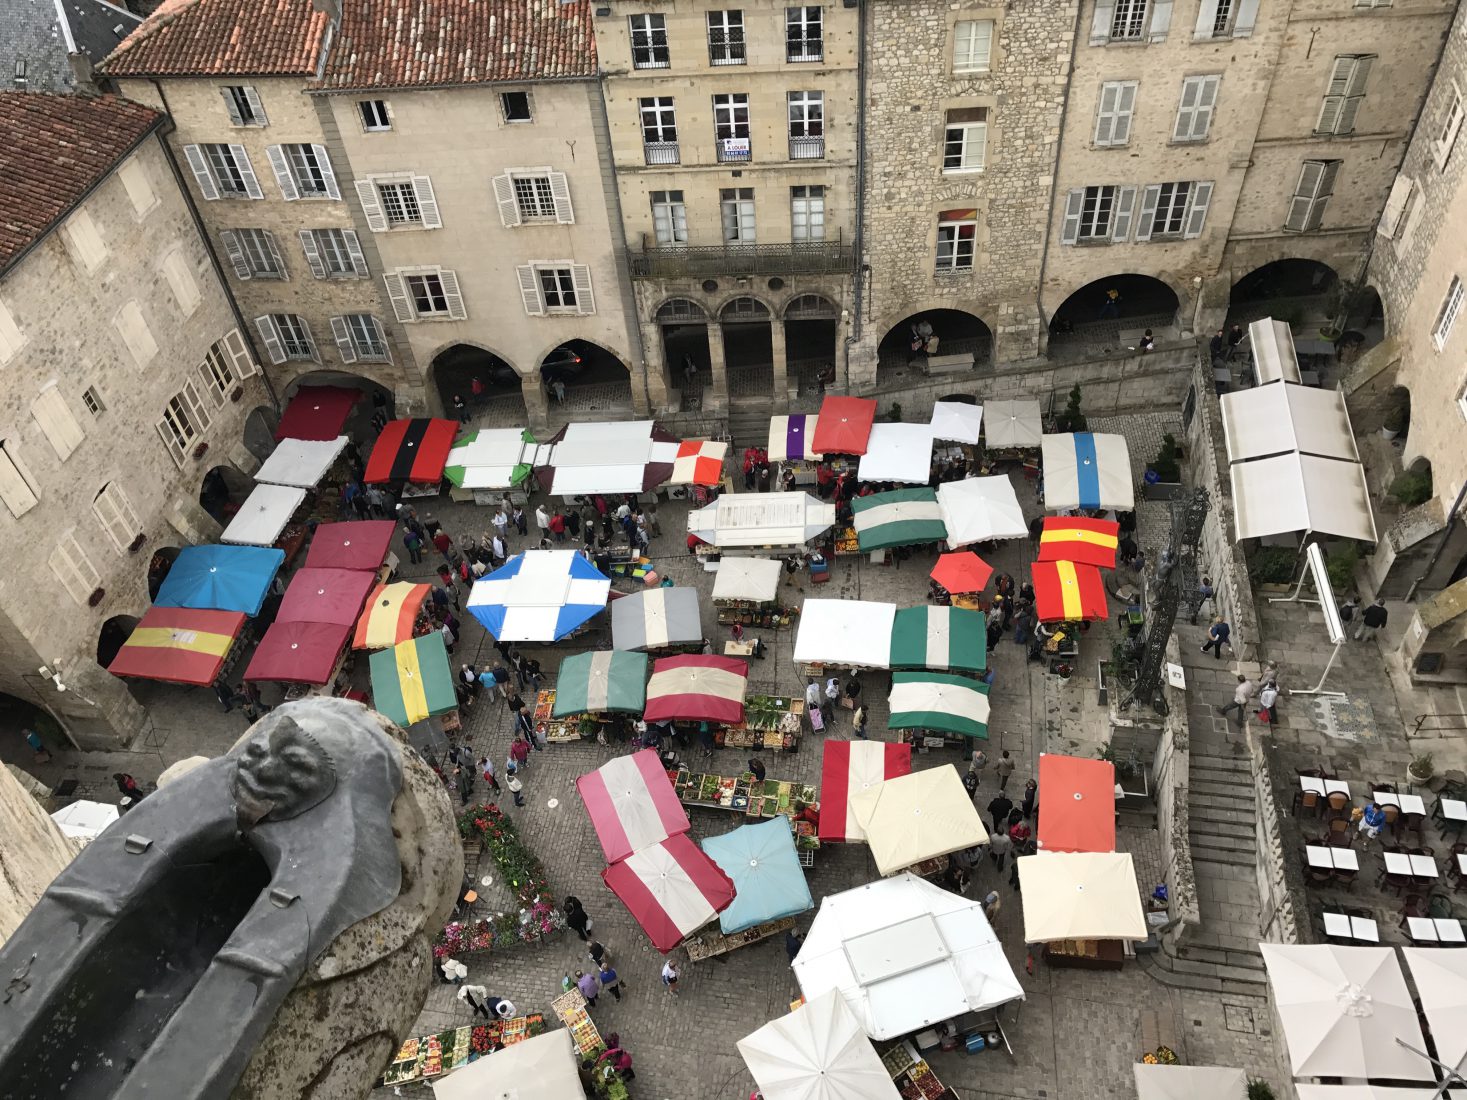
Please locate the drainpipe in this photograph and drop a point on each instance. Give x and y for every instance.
(1442, 544)
(1059, 146)
(853, 334)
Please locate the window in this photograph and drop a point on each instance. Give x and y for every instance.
(132, 326)
(807, 125)
(243, 104)
(217, 376)
(736, 205)
(725, 38)
(93, 401)
(57, 424)
(972, 45)
(1195, 108)
(114, 511)
(359, 336)
(1373, 3)
(807, 213)
(516, 106)
(803, 35)
(405, 202)
(1446, 317)
(1128, 22)
(649, 42)
(659, 129)
(74, 570)
(11, 338)
(1169, 216)
(1447, 136)
(184, 417)
(223, 171)
(253, 253)
(303, 172)
(533, 195)
(1398, 202)
(182, 282)
(333, 253)
(86, 241)
(1344, 95)
(20, 78)
(1316, 184)
(558, 287)
(669, 217)
(286, 336)
(139, 189)
(1215, 18)
(965, 140)
(1114, 112)
(375, 117)
(17, 487)
(1167, 210)
(957, 237)
(1095, 215)
(731, 126)
(425, 294)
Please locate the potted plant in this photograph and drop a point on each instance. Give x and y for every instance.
(1071, 419)
(1397, 420)
(1164, 473)
(1421, 769)
(1271, 568)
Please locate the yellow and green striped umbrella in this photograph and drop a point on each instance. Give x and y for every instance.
(411, 680)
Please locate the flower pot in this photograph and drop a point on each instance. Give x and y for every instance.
(1388, 433)
(1417, 779)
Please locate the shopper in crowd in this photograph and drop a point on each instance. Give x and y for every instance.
(670, 975)
(590, 987)
(1218, 635)
(577, 918)
(1371, 620)
(1241, 695)
(998, 810)
(1003, 768)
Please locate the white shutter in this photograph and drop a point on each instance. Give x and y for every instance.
(15, 485)
(530, 290)
(427, 204)
(1161, 19)
(181, 281)
(57, 423)
(371, 206)
(197, 410)
(1149, 199)
(1074, 204)
(170, 442)
(246, 171)
(200, 165)
(11, 338)
(72, 568)
(1395, 206)
(323, 161)
(114, 511)
(1125, 110)
(1105, 115)
(1198, 201)
(270, 334)
(231, 107)
(313, 254)
(235, 251)
(240, 360)
(1206, 19)
(133, 327)
(1105, 13)
(354, 250)
(581, 279)
(449, 279)
(1246, 17)
(280, 165)
(341, 333)
(210, 385)
(1354, 94)
(509, 210)
(1206, 105)
(310, 339)
(397, 294)
(1195, 109)
(1125, 209)
(257, 108)
(560, 192)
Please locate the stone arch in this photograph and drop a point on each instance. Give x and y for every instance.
(222, 489)
(159, 564)
(1301, 291)
(585, 376)
(721, 310)
(680, 309)
(111, 635)
(379, 394)
(956, 331)
(456, 364)
(1142, 296)
(747, 325)
(809, 307)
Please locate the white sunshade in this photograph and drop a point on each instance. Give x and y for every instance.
(1270, 420)
(85, 820)
(1087, 470)
(1373, 1092)
(300, 462)
(957, 420)
(490, 458)
(904, 954)
(1012, 423)
(817, 1052)
(1294, 492)
(606, 458)
(263, 515)
(845, 633)
(754, 579)
(1342, 1010)
(980, 509)
(1440, 975)
(1274, 357)
(917, 816)
(1190, 1083)
(543, 1067)
(549, 594)
(762, 519)
(1080, 896)
(897, 452)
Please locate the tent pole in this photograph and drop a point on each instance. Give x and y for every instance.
(1317, 689)
(1451, 1074)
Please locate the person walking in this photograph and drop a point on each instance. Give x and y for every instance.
(757, 767)
(501, 523)
(519, 750)
(670, 975)
(590, 987)
(464, 780)
(557, 525)
(991, 905)
(1245, 691)
(486, 769)
(1371, 820)
(812, 697)
(1217, 637)
(1205, 592)
(1003, 767)
(999, 846)
(1031, 796)
(859, 721)
(832, 697)
(609, 979)
(542, 521)
(577, 918)
(793, 941)
(1371, 620)
(476, 997)
(998, 810)
(596, 952)
(412, 542)
(1268, 700)
(516, 788)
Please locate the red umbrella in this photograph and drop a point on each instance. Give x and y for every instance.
(963, 571)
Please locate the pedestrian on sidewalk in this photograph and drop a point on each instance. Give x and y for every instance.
(1031, 795)
(998, 810)
(476, 997)
(999, 846)
(793, 941)
(590, 987)
(577, 918)
(519, 750)
(991, 905)
(1371, 619)
(412, 542)
(670, 976)
(757, 767)
(43, 755)
(596, 952)
(610, 981)
(1268, 700)
(1218, 635)
(1205, 592)
(832, 697)
(516, 788)
(542, 521)
(1241, 694)
(486, 769)
(1003, 768)
(859, 721)
(1371, 820)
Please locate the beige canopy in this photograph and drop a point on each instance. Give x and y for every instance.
(1190, 1083)
(1274, 357)
(539, 1068)
(1440, 975)
(1271, 420)
(1080, 896)
(916, 817)
(1297, 492)
(747, 579)
(817, 1052)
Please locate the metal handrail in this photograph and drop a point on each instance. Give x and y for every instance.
(794, 258)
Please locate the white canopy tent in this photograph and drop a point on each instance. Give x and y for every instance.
(543, 1067)
(897, 452)
(1296, 492)
(85, 820)
(491, 457)
(1270, 420)
(1190, 1083)
(1087, 470)
(300, 462)
(817, 1052)
(957, 421)
(263, 515)
(1274, 357)
(904, 954)
(845, 633)
(606, 458)
(1012, 424)
(1373, 1092)
(1440, 975)
(980, 509)
(754, 579)
(762, 519)
(918, 816)
(1080, 896)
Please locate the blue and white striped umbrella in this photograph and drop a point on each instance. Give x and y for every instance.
(1087, 471)
(539, 596)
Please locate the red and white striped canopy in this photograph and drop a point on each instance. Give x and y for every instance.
(848, 768)
(697, 688)
(672, 889)
(632, 804)
(698, 462)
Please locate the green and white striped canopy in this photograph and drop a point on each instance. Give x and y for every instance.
(597, 682)
(491, 458)
(904, 517)
(938, 701)
(947, 639)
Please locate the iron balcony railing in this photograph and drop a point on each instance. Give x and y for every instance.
(804, 51)
(807, 148)
(661, 152)
(701, 261)
(734, 150)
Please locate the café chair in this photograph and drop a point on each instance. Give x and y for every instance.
(1339, 805)
(1415, 906)
(1307, 800)
(1341, 833)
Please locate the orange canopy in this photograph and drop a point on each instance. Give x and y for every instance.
(1077, 804)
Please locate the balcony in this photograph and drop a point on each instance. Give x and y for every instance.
(807, 148)
(705, 261)
(796, 52)
(735, 150)
(661, 152)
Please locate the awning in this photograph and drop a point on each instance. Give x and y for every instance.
(600, 682)
(1373, 1092)
(847, 769)
(411, 450)
(220, 578)
(359, 544)
(389, 616)
(84, 820)
(1078, 539)
(1080, 896)
(263, 515)
(326, 596)
(178, 645)
(1079, 804)
(671, 889)
(980, 509)
(1293, 492)
(317, 412)
(755, 579)
(300, 462)
(1440, 975)
(1085, 470)
(962, 571)
(940, 638)
(1162, 1082)
(698, 462)
(817, 1052)
(491, 458)
(845, 633)
(656, 617)
(1274, 357)
(844, 425)
(898, 452)
(761, 519)
(938, 701)
(791, 438)
(1012, 424)
(298, 653)
(632, 804)
(1066, 591)
(412, 681)
(1271, 420)
(916, 817)
(903, 517)
(608, 458)
(761, 862)
(542, 1067)
(539, 596)
(905, 955)
(697, 688)
(957, 421)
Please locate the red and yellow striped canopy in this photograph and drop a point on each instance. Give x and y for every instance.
(1075, 538)
(391, 611)
(1064, 590)
(180, 645)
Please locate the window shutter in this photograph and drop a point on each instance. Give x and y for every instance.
(397, 294)
(57, 423)
(371, 206)
(1105, 12)
(229, 105)
(560, 192)
(1161, 19)
(196, 161)
(1206, 104)
(1105, 117)
(1326, 188)
(1125, 110)
(1124, 210)
(274, 347)
(133, 327)
(257, 108)
(170, 442)
(1355, 94)
(1197, 203)
(15, 486)
(323, 158)
(427, 204)
(246, 171)
(509, 210)
(72, 568)
(449, 279)
(1395, 206)
(310, 339)
(240, 360)
(354, 250)
(232, 248)
(210, 385)
(1070, 230)
(1150, 196)
(196, 408)
(1186, 109)
(530, 290)
(581, 279)
(118, 519)
(281, 167)
(313, 254)
(1246, 17)
(341, 333)
(1206, 19)
(181, 281)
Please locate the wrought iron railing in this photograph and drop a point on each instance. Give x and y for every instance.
(807, 148)
(661, 152)
(795, 258)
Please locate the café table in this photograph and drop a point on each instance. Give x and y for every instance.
(1406, 803)
(1399, 863)
(1340, 859)
(1351, 928)
(1452, 812)
(1323, 786)
(1435, 930)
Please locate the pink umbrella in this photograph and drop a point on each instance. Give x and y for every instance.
(672, 889)
(632, 804)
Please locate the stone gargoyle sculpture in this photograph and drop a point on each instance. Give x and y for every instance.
(260, 927)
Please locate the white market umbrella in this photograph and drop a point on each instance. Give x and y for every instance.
(981, 509)
(817, 1052)
(1080, 896)
(1440, 975)
(543, 1067)
(1190, 1083)
(747, 579)
(957, 420)
(85, 820)
(918, 816)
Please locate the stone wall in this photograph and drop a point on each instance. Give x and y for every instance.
(32, 852)
(1283, 902)
(1171, 782)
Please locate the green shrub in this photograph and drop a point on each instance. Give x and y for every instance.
(1272, 565)
(1412, 487)
(1165, 465)
(1340, 564)
(1072, 419)
(1258, 1089)
(895, 414)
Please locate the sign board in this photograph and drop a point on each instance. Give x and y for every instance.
(736, 147)
(1176, 676)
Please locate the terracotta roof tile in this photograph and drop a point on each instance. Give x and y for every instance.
(225, 38)
(56, 148)
(416, 43)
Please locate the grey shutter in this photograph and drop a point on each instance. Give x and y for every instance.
(1395, 206)
(274, 348)
(313, 254)
(281, 166)
(354, 250)
(1105, 13)
(530, 290)
(247, 171)
(1186, 109)
(232, 248)
(1206, 19)
(1330, 169)
(1206, 104)
(1161, 20)
(1246, 17)
(560, 192)
(323, 160)
(231, 107)
(257, 108)
(1125, 209)
(1125, 111)
(1354, 94)
(240, 360)
(200, 165)
(397, 294)
(427, 204)
(341, 333)
(1149, 199)
(509, 210)
(371, 206)
(1197, 203)
(455, 298)
(310, 340)
(581, 279)
(1074, 204)
(1105, 116)
(275, 255)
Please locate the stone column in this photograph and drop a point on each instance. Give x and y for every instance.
(536, 403)
(717, 400)
(1211, 309)
(781, 401)
(664, 398)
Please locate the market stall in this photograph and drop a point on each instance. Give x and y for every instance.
(1164, 1082)
(670, 888)
(541, 1068)
(792, 438)
(698, 462)
(627, 457)
(263, 515)
(961, 572)
(411, 681)
(843, 426)
(942, 638)
(325, 596)
(1079, 539)
(957, 421)
(897, 452)
(317, 413)
(917, 817)
(570, 1010)
(1086, 470)
(632, 804)
(844, 634)
(1079, 804)
(1012, 425)
(771, 723)
(766, 521)
(743, 794)
(817, 1052)
(1292, 493)
(1270, 420)
(1440, 977)
(847, 769)
(390, 614)
(1081, 904)
(1275, 358)
(301, 462)
(358, 544)
(940, 702)
(1067, 592)
(491, 458)
(84, 820)
(761, 862)
(697, 688)
(299, 653)
(220, 578)
(656, 618)
(429, 1056)
(179, 645)
(980, 509)
(539, 596)
(902, 517)
(414, 452)
(601, 682)
(746, 590)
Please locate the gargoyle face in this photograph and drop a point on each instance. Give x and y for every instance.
(282, 772)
